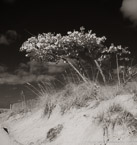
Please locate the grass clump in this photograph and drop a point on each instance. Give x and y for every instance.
(116, 115)
(75, 95)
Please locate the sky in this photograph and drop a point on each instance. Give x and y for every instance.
(20, 20)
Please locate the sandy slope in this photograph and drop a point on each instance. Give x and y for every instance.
(4, 138)
(79, 127)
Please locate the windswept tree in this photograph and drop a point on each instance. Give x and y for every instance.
(78, 45)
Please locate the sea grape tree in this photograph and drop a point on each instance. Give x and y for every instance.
(51, 47)
(79, 45)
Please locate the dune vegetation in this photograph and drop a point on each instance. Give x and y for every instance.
(96, 104)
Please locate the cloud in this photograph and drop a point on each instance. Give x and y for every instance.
(3, 40)
(129, 10)
(31, 72)
(3, 69)
(9, 37)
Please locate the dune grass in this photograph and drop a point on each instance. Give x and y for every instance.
(74, 94)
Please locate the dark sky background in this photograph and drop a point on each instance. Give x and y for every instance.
(20, 19)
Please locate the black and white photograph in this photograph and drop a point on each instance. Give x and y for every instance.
(68, 72)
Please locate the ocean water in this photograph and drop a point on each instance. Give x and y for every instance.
(10, 94)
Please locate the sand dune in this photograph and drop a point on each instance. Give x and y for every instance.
(5, 138)
(78, 127)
